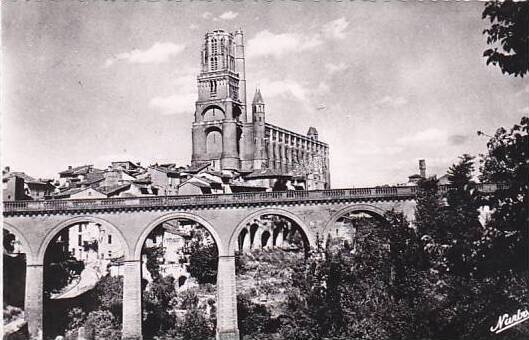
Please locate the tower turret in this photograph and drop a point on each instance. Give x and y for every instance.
(312, 133)
(258, 119)
(258, 106)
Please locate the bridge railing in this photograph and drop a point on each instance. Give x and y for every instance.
(399, 192)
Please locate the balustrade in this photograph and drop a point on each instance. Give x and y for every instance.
(215, 199)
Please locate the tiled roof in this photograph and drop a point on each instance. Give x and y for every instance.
(112, 189)
(93, 177)
(78, 170)
(129, 163)
(196, 183)
(25, 177)
(168, 168)
(266, 173)
(143, 180)
(196, 168)
(68, 192)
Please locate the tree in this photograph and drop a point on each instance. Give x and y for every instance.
(14, 272)
(157, 317)
(195, 325)
(61, 268)
(102, 325)
(507, 163)
(372, 293)
(252, 318)
(461, 217)
(153, 255)
(203, 260)
(9, 241)
(509, 27)
(467, 294)
(108, 295)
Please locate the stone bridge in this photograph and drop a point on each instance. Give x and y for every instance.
(37, 223)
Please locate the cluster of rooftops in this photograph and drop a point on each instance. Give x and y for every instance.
(130, 179)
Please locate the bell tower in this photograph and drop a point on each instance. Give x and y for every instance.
(220, 112)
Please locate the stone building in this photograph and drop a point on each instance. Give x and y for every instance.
(20, 186)
(232, 136)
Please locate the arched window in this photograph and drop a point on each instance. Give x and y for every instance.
(213, 46)
(213, 86)
(215, 63)
(214, 144)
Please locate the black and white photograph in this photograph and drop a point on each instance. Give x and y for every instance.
(265, 169)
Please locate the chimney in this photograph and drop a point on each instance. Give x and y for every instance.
(422, 168)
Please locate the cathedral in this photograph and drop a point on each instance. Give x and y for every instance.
(231, 136)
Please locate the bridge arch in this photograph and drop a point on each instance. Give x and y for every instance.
(53, 232)
(366, 208)
(171, 216)
(233, 245)
(25, 244)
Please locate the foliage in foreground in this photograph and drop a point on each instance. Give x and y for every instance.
(448, 277)
(509, 22)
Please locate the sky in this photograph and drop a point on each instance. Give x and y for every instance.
(385, 83)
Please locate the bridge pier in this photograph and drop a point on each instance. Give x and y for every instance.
(132, 314)
(33, 303)
(227, 328)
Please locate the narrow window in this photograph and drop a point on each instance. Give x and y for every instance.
(109, 239)
(80, 240)
(213, 46)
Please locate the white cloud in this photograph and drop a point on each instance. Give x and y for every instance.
(174, 104)
(323, 87)
(266, 43)
(193, 26)
(524, 110)
(157, 53)
(392, 101)
(335, 29)
(184, 97)
(333, 68)
(523, 91)
(286, 88)
(229, 15)
(432, 136)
